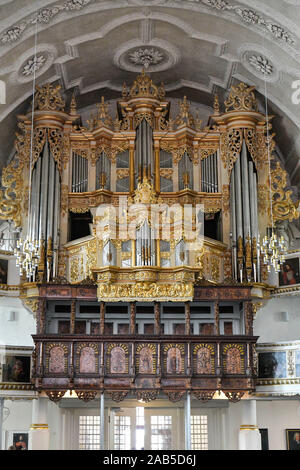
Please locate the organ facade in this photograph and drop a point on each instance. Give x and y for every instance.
(145, 235)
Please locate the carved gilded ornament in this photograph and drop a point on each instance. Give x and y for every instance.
(225, 199)
(283, 207)
(146, 291)
(231, 145)
(241, 98)
(215, 268)
(166, 173)
(12, 195)
(176, 151)
(144, 87)
(207, 152)
(138, 117)
(122, 173)
(32, 304)
(48, 98)
(263, 198)
(64, 201)
(184, 117)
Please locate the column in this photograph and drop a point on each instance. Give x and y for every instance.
(157, 165)
(102, 318)
(73, 317)
(187, 318)
(102, 421)
(187, 415)
(157, 317)
(1, 420)
(249, 435)
(248, 318)
(217, 318)
(39, 432)
(132, 317)
(131, 166)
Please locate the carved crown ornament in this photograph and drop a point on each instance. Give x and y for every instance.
(241, 98)
(143, 87)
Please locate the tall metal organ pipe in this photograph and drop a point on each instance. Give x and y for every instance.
(144, 154)
(45, 206)
(244, 218)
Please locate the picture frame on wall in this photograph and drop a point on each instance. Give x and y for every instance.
(289, 274)
(16, 368)
(18, 439)
(3, 270)
(293, 439)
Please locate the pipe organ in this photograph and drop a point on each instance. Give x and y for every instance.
(175, 213)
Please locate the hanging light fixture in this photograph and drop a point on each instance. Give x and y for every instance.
(27, 250)
(273, 248)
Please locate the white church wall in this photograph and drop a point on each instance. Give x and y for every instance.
(277, 416)
(16, 331)
(19, 420)
(272, 325)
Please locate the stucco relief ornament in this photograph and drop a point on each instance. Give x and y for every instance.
(146, 57)
(261, 64)
(33, 65)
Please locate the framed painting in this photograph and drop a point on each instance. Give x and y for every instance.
(293, 439)
(16, 369)
(17, 439)
(3, 271)
(289, 274)
(272, 365)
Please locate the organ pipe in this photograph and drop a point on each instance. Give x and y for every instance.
(244, 222)
(45, 208)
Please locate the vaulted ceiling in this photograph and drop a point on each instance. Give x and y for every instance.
(196, 47)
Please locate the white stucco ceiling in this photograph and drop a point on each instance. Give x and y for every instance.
(196, 47)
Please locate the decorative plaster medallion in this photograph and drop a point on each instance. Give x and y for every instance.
(156, 56)
(146, 56)
(259, 62)
(27, 63)
(33, 65)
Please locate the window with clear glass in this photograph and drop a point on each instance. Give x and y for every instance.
(161, 432)
(199, 432)
(89, 432)
(122, 431)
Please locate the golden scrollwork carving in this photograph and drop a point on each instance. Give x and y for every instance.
(138, 117)
(122, 173)
(184, 117)
(282, 205)
(64, 199)
(241, 98)
(48, 98)
(226, 199)
(262, 198)
(166, 173)
(231, 145)
(11, 196)
(144, 87)
(207, 152)
(146, 291)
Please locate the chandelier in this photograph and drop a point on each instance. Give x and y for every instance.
(274, 251)
(27, 250)
(273, 248)
(27, 256)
